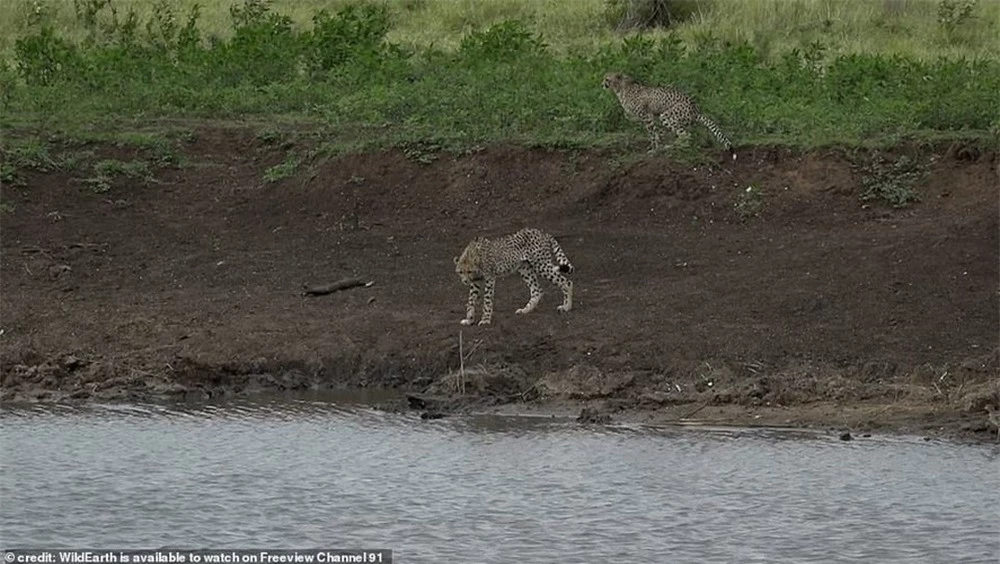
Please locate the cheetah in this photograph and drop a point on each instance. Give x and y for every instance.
(675, 109)
(530, 252)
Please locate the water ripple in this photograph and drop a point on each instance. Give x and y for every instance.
(484, 489)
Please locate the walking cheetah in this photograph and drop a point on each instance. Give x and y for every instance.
(675, 109)
(530, 252)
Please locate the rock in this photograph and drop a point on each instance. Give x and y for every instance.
(57, 270)
(588, 415)
(846, 436)
(71, 362)
(416, 402)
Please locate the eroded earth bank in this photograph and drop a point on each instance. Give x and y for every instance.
(792, 303)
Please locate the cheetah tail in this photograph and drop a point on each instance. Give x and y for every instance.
(561, 259)
(718, 133)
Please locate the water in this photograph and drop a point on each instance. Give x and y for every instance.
(300, 474)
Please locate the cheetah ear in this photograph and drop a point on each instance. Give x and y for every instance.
(455, 259)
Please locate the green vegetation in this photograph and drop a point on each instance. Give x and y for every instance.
(29, 153)
(748, 203)
(284, 169)
(106, 171)
(890, 182)
(919, 28)
(369, 77)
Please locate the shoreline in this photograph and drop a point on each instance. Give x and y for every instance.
(936, 419)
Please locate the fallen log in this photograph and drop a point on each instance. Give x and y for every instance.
(345, 284)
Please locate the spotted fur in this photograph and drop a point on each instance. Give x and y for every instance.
(530, 252)
(672, 107)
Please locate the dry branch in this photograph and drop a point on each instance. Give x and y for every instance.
(344, 284)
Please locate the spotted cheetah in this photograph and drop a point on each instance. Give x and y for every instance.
(530, 252)
(675, 109)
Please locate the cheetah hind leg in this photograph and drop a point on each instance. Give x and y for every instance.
(654, 134)
(531, 279)
(682, 138)
(553, 275)
(567, 297)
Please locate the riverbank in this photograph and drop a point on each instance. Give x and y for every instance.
(782, 288)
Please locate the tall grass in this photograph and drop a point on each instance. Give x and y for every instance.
(903, 27)
(499, 82)
(923, 29)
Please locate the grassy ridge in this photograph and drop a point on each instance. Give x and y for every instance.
(500, 82)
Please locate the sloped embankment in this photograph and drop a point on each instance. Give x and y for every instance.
(764, 290)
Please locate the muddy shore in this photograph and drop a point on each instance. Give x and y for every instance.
(794, 303)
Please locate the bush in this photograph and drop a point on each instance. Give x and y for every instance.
(646, 14)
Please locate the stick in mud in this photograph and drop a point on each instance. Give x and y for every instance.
(461, 365)
(700, 407)
(344, 284)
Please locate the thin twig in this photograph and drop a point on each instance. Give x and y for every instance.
(475, 346)
(461, 365)
(700, 407)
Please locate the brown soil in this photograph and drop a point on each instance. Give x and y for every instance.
(818, 310)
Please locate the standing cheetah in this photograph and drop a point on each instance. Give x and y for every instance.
(675, 109)
(530, 252)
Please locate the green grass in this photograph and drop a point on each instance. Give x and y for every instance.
(903, 27)
(748, 203)
(861, 73)
(28, 153)
(105, 172)
(891, 182)
(284, 169)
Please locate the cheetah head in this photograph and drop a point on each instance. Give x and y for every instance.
(613, 80)
(467, 265)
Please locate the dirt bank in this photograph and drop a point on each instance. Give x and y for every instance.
(792, 303)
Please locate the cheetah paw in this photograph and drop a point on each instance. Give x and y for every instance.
(466, 321)
(522, 311)
(484, 322)
(564, 308)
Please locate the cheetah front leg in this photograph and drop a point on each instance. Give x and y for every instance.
(654, 134)
(488, 302)
(470, 305)
(531, 279)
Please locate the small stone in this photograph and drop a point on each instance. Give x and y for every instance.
(588, 415)
(846, 436)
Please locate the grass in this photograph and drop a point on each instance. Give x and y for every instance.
(29, 153)
(748, 202)
(365, 77)
(284, 169)
(891, 27)
(105, 172)
(19, 154)
(891, 182)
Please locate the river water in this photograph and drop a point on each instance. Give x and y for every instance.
(315, 474)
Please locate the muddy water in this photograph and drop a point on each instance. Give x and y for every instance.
(313, 474)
